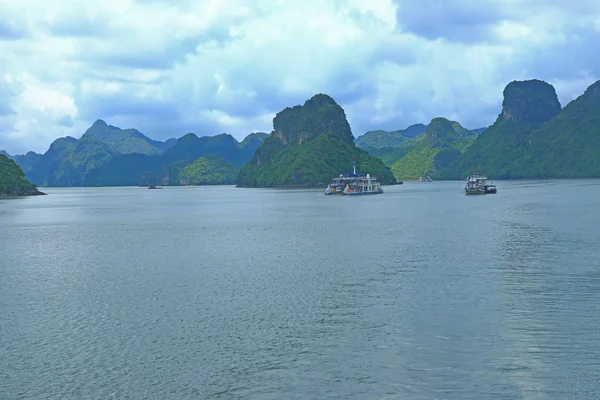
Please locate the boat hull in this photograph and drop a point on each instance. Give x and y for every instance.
(351, 193)
(361, 194)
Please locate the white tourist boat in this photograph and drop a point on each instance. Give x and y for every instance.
(354, 184)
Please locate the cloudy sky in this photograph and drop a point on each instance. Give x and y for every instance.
(168, 67)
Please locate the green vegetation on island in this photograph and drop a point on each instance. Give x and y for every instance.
(444, 142)
(190, 147)
(134, 169)
(109, 156)
(309, 144)
(380, 139)
(126, 141)
(43, 172)
(77, 161)
(13, 181)
(207, 170)
(568, 146)
(24, 161)
(533, 138)
(390, 146)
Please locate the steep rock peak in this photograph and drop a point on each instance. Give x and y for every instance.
(99, 123)
(319, 100)
(531, 101)
(320, 114)
(67, 140)
(442, 132)
(593, 90)
(187, 137)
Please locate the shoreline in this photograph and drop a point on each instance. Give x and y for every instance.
(22, 193)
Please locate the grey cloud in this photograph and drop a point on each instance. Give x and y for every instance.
(10, 31)
(65, 120)
(79, 25)
(6, 97)
(125, 104)
(349, 86)
(347, 82)
(470, 116)
(157, 57)
(5, 109)
(123, 76)
(10, 146)
(396, 53)
(578, 55)
(140, 60)
(402, 70)
(454, 20)
(158, 128)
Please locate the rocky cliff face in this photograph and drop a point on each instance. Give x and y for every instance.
(530, 102)
(43, 171)
(320, 114)
(501, 150)
(309, 144)
(593, 91)
(446, 134)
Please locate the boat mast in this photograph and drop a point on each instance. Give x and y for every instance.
(354, 164)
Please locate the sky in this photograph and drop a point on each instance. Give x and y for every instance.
(169, 67)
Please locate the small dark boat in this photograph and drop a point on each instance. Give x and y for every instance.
(490, 188)
(477, 184)
(154, 187)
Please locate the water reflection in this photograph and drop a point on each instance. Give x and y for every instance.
(544, 302)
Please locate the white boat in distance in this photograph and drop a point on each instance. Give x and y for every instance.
(354, 184)
(477, 184)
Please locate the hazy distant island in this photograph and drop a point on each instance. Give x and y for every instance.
(532, 137)
(13, 181)
(109, 156)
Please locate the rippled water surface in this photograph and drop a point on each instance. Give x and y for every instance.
(227, 293)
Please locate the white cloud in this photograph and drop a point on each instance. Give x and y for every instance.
(171, 67)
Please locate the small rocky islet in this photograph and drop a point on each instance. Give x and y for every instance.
(13, 181)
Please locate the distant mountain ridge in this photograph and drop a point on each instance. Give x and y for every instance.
(391, 146)
(126, 141)
(128, 169)
(382, 139)
(24, 161)
(130, 154)
(443, 143)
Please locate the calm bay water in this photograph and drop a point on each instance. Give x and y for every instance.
(228, 293)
